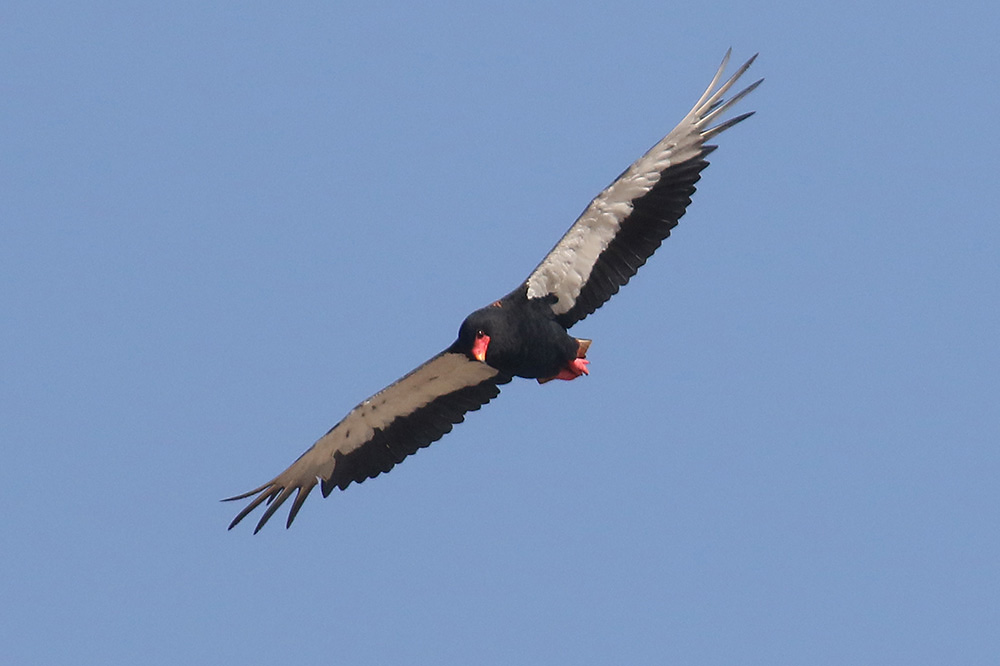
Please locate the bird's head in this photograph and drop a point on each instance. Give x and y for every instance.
(483, 333)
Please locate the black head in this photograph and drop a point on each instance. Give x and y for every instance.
(487, 331)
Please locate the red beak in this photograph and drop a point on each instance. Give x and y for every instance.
(479, 347)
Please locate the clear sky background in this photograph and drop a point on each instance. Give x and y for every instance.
(223, 226)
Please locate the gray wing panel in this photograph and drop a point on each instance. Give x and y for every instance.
(380, 432)
(625, 223)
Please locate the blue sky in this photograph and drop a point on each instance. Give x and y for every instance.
(223, 226)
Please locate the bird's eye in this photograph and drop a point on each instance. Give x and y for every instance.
(480, 335)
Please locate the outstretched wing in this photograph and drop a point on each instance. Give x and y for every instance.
(392, 424)
(624, 224)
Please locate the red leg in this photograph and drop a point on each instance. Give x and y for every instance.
(576, 367)
(573, 369)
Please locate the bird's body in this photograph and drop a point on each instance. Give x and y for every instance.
(523, 337)
(525, 333)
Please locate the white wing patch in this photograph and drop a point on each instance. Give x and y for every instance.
(566, 269)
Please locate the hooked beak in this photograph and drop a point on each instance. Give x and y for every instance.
(479, 347)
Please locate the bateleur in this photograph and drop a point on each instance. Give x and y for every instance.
(524, 334)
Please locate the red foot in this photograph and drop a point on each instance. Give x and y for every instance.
(573, 369)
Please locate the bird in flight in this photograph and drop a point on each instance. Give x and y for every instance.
(524, 334)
